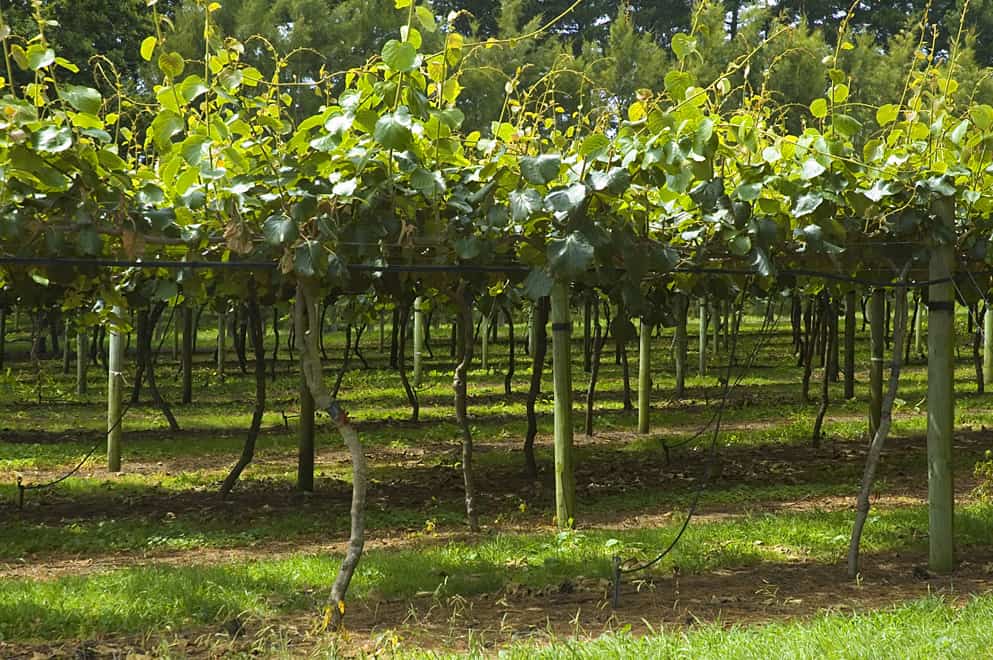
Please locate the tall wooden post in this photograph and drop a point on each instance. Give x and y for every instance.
(850, 344)
(565, 481)
(3, 335)
(484, 335)
(115, 388)
(418, 339)
(703, 337)
(222, 348)
(941, 397)
(682, 307)
(644, 376)
(187, 353)
(82, 359)
(877, 310)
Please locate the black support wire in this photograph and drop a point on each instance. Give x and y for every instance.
(448, 268)
(619, 571)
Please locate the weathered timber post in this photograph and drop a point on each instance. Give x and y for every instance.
(418, 339)
(187, 353)
(703, 337)
(941, 396)
(82, 353)
(565, 482)
(850, 344)
(682, 307)
(115, 388)
(644, 376)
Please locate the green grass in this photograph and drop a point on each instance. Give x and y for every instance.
(919, 630)
(132, 513)
(156, 598)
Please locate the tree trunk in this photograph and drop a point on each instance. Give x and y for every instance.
(415, 408)
(306, 321)
(598, 339)
(811, 346)
(81, 362)
(830, 313)
(248, 451)
(346, 361)
(682, 306)
(850, 345)
(510, 350)
(187, 354)
(275, 343)
(879, 437)
(152, 318)
(876, 330)
(418, 339)
(644, 376)
(115, 385)
(538, 350)
(461, 387)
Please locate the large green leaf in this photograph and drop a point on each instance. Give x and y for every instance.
(310, 259)
(523, 203)
(393, 130)
(84, 99)
(807, 204)
(538, 284)
(279, 229)
(399, 55)
(52, 140)
(569, 257)
(566, 200)
(539, 170)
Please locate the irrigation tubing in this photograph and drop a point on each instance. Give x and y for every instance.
(619, 571)
(21, 487)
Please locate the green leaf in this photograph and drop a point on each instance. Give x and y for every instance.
(594, 146)
(811, 169)
(393, 130)
(807, 204)
(819, 108)
(468, 247)
(682, 45)
(171, 64)
(310, 259)
(740, 245)
(569, 257)
(538, 284)
(887, 114)
(839, 93)
(425, 18)
(566, 200)
(52, 140)
(846, 125)
(615, 181)
(39, 57)
(958, 133)
(540, 170)
(399, 55)
(84, 99)
(279, 230)
(90, 242)
(165, 125)
(523, 203)
(148, 48)
(427, 183)
(982, 115)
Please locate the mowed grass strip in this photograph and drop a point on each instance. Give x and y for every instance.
(153, 598)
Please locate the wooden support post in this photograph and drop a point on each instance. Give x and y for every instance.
(565, 481)
(644, 376)
(941, 399)
(850, 303)
(418, 339)
(115, 389)
(877, 310)
(3, 335)
(66, 361)
(82, 359)
(682, 307)
(703, 337)
(918, 323)
(484, 335)
(222, 348)
(187, 353)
